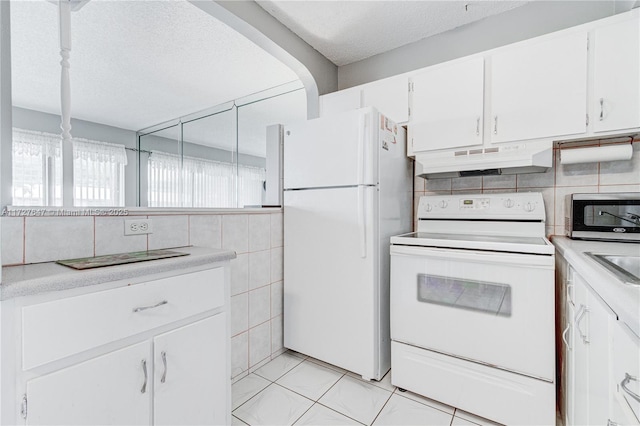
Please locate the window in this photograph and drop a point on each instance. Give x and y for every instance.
(98, 171)
(200, 182)
(37, 168)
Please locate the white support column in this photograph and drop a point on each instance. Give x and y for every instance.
(64, 9)
(5, 107)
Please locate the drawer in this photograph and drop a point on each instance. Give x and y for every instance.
(63, 327)
(626, 361)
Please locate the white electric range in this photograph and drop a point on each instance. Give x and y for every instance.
(472, 306)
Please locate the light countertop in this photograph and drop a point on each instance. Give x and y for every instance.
(27, 280)
(623, 299)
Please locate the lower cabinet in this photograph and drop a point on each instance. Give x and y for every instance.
(152, 352)
(182, 374)
(190, 374)
(110, 389)
(593, 356)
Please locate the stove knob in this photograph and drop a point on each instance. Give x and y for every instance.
(427, 207)
(529, 207)
(443, 204)
(508, 203)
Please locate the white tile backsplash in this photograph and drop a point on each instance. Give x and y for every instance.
(276, 298)
(259, 305)
(205, 231)
(277, 264)
(54, 238)
(259, 232)
(240, 274)
(239, 313)
(239, 354)
(276, 230)
(622, 172)
(12, 240)
(259, 343)
(110, 238)
(235, 232)
(169, 231)
(259, 269)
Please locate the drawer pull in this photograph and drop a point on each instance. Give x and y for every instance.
(144, 308)
(144, 370)
(627, 378)
(164, 362)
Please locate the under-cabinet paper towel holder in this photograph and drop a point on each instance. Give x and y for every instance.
(595, 154)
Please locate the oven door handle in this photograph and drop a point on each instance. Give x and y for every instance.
(492, 258)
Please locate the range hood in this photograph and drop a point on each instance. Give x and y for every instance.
(534, 157)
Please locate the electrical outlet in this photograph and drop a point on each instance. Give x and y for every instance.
(137, 226)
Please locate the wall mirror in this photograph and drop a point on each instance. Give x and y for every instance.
(169, 108)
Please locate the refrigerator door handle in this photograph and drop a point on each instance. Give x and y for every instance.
(362, 221)
(362, 122)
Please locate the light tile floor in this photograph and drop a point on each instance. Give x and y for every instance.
(295, 389)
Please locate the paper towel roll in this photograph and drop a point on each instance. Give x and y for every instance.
(596, 154)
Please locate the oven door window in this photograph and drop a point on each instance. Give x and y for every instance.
(479, 296)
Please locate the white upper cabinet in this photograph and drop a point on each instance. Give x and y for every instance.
(539, 89)
(341, 101)
(447, 106)
(390, 96)
(615, 104)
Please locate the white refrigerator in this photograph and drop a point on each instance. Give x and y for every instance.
(347, 189)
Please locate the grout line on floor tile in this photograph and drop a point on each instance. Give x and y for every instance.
(342, 414)
(240, 420)
(384, 405)
(427, 404)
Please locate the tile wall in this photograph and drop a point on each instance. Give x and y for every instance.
(256, 273)
(555, 184)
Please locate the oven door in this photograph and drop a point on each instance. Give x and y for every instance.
(489, 307)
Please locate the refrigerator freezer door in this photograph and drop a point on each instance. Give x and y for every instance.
(332, 151)
(331, 292)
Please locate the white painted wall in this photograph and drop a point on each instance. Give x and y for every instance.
(531, 20)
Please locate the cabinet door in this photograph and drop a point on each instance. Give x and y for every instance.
(390, 96)
(447, 106)
(111, 389)
(341, 101)
(192, 380)
(539, 90)
(616, 85)
(580, 397)
(599, 338)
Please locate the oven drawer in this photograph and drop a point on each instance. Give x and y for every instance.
(493, 308)
(60, 328)
(498, 395)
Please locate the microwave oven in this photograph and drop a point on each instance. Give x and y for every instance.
(603, 217)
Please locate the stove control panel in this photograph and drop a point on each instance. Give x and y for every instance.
(508, 206)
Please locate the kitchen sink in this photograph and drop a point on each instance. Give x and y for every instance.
(626, 268)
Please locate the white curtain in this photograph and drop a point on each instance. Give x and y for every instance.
(201, 183)
(98, 173)
(36, 168)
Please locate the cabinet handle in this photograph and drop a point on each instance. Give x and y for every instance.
(579, 316)
(628, 378)
(495, 125)
(144, 370)
(144, 308)
(611, 423)
(163, 354)
(478, 126)
(601, 109)
(564, 337)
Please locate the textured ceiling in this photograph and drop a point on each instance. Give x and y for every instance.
(135, 63)
(347, 31)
